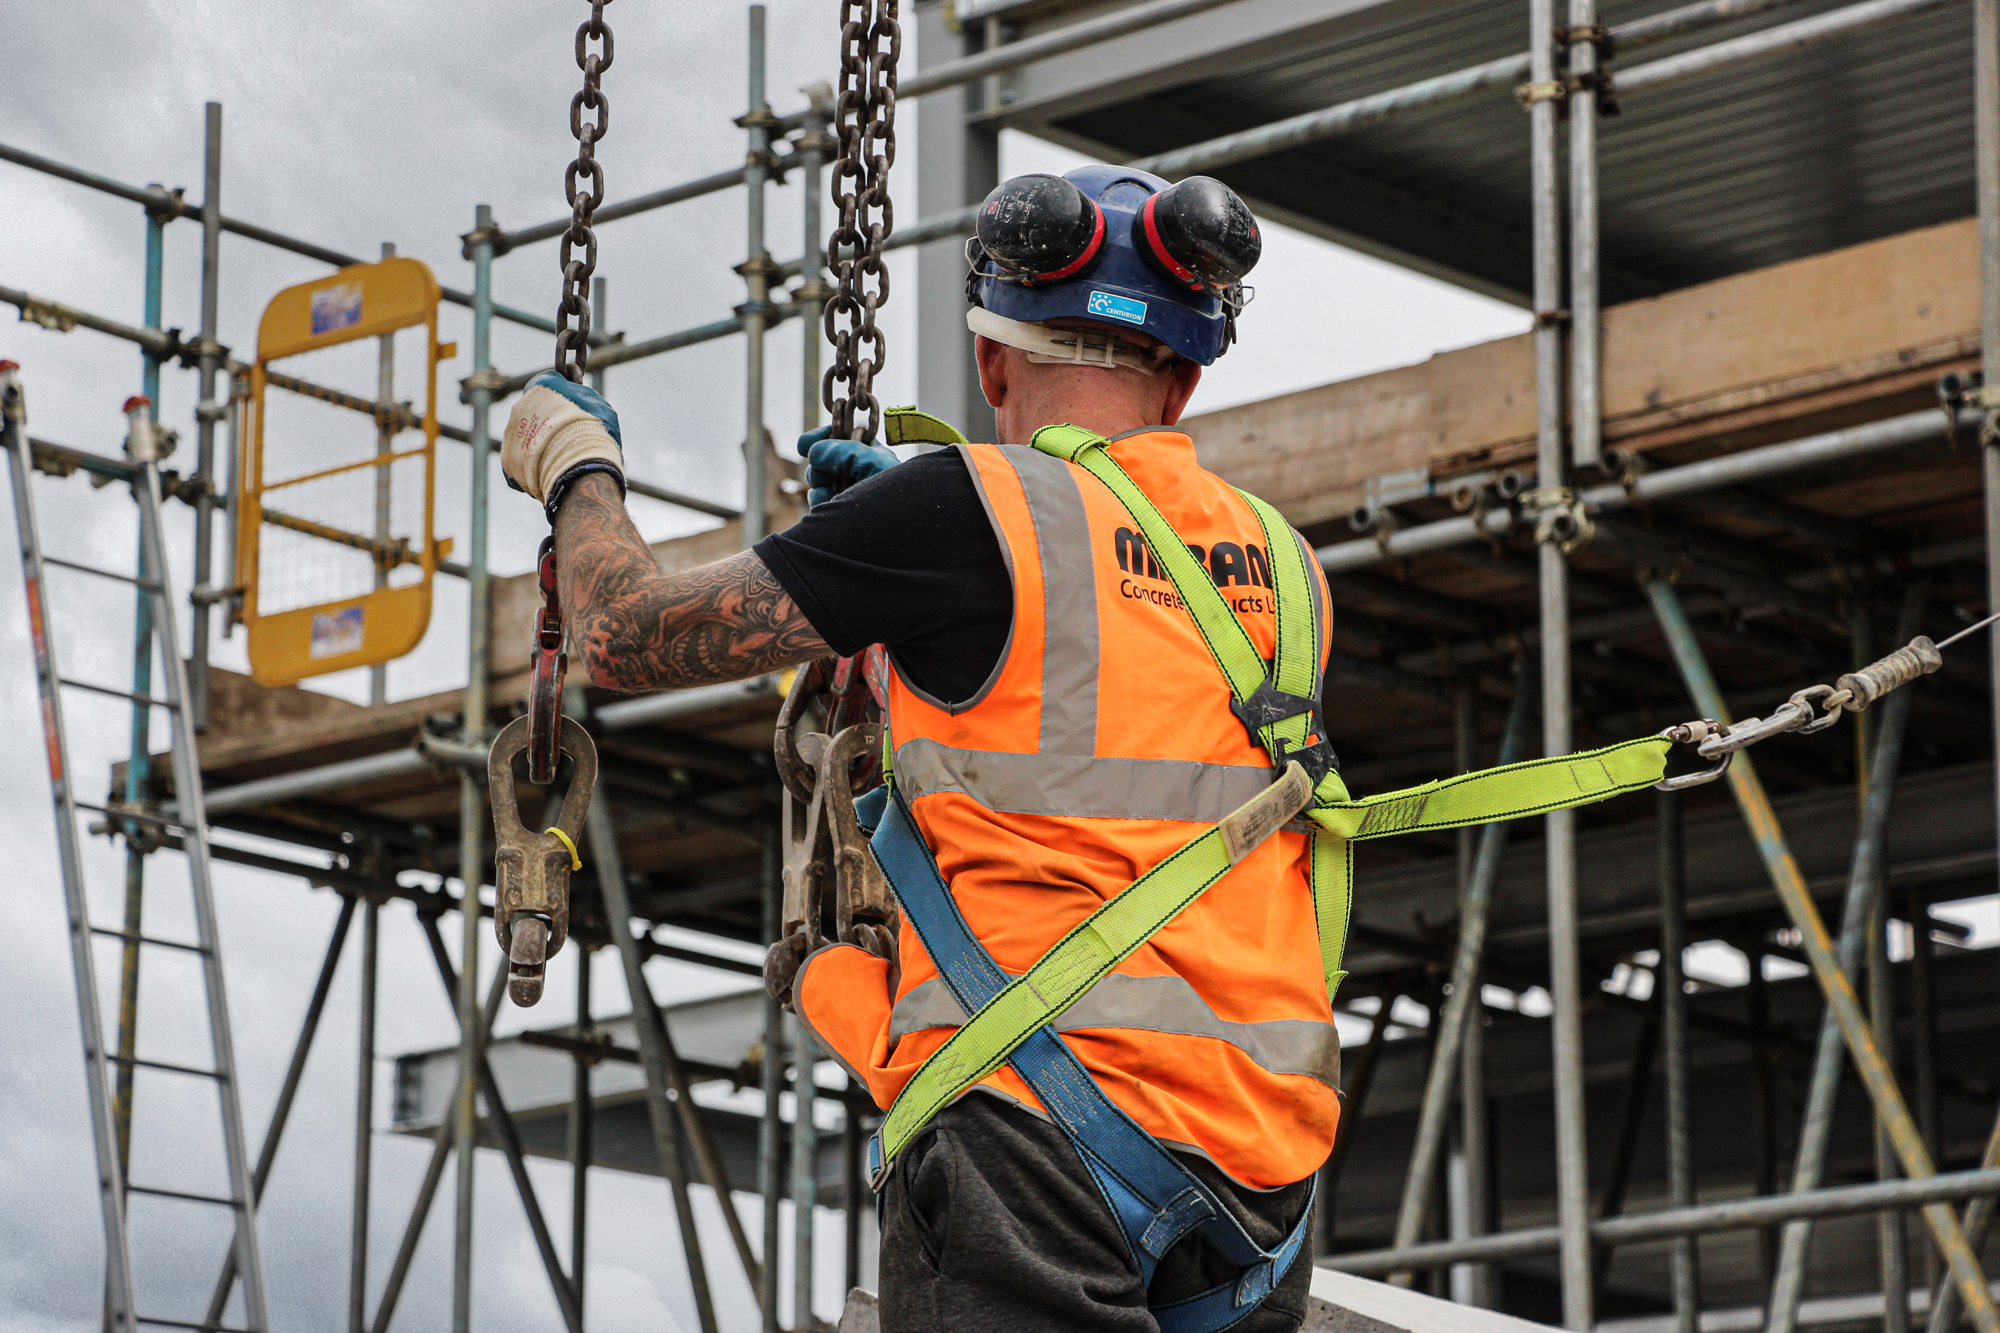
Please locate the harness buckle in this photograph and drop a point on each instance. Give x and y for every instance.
(1266, 707)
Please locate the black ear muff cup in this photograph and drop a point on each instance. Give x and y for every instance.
(1198, 233)
(1038, 229)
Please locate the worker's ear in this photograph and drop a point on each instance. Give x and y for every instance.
(1183, 375)
(992, 359)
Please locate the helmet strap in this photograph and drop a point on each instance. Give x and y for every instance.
(1068, 347)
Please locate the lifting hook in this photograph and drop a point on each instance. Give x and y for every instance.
(532, 870)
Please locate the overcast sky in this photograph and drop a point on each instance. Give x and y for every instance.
(352, 123)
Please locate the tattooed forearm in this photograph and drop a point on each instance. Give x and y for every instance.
(639, 629)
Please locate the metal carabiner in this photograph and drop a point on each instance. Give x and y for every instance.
(532, 870)
(1697, 733)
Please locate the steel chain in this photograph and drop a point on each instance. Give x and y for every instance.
(871, 43)
(573, 342)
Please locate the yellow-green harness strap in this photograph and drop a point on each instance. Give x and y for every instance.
(1136, 913)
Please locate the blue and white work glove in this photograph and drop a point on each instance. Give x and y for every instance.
(834, 465)
(557, 432)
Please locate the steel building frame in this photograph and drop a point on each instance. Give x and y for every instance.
(959, 163)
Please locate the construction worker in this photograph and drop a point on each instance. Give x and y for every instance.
(1059, 728)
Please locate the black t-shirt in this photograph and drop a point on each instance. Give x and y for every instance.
(907, 558)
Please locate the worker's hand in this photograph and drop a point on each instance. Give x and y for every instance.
(556, 429)
(834, 465)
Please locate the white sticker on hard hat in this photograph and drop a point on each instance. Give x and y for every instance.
(1117, 307)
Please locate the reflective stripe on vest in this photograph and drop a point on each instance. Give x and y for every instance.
(1103, 744)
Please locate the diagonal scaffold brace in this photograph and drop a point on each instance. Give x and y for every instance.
(1815, 709)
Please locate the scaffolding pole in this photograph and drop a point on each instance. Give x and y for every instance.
(1668, 1223)
(1671, 982)
(651, 1031)
(1461, 1007)
(1550, 501)
(756, 270)
(1865, 888)
(364, 1126)
(472, 812)
(1834, 981)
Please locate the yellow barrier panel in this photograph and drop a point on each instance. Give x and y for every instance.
(329, 536)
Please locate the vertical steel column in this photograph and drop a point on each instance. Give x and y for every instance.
(756, 271)
(853, 1186)
(812, 290)
(385, 444)
(1671, 980)
(1864, 881)
(472, 812)
(1891, 1243)
(805, 1129)
(582, 1111)
(599, 304)
(1923, 1043)
(207, 412)
(1986, 163)
(1473, 914)
(364, 1124)
(580, 1127)
(1833, 980)
(1551, 496)
(139, 757)
(1586, 334)
(805, 1179)
(653, 1056)
(1472, 1284)
(770, 1130)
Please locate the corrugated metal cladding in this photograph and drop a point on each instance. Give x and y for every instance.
(1856, 138)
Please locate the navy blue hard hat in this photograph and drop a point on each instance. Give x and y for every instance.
(1121, 246)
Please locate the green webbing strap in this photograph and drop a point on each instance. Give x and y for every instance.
(1535, 786)
(1132, 916)
(906, 425)
(1228, 642)
(1099, 943)
(1295, 668)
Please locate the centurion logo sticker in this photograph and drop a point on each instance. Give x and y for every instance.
(1117, 307)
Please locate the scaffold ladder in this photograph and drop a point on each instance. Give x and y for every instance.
(189, 818)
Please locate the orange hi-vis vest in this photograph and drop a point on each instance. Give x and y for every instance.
(1102, 742)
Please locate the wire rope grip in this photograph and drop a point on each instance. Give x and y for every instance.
(532, 869)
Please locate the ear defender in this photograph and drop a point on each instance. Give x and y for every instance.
(1199, 234)
(1039, 229)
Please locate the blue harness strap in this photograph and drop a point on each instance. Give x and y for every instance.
(1155, 1199)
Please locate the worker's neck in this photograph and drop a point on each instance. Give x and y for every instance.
(1103, 408)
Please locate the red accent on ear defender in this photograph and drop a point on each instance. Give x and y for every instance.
(1159, 247)
(1089, 251)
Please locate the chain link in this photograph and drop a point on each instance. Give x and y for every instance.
(573, 342)
(871, 43)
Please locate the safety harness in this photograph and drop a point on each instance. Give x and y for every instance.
(1157, 1200)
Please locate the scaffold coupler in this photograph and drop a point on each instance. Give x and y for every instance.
(834, 890)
